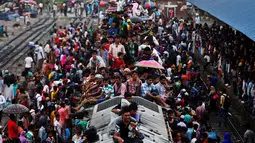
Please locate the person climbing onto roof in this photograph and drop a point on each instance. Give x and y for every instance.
(126, 130)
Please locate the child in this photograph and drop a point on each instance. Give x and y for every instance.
(119, 62)
(107, 91)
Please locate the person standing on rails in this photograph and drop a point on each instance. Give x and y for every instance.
(55, 9)
(41, 7)
(207, 59)
(28, 62)
(65, 9)
(40, 56)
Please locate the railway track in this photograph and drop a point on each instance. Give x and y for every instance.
(22, 33)
(18, 46)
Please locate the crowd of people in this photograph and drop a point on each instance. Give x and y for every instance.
(231, 54)
(80, 67)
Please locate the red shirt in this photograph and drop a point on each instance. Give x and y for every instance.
(107, 47)
(12, 129)
(118, 63)
(57, 39)
(71, 59)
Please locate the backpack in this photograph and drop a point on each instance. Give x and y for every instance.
(227, 103)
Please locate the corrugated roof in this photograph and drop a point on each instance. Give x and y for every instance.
(153, 124)
(236, 13)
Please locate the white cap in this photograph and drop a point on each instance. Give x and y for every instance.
(37, 95)
(31, 111)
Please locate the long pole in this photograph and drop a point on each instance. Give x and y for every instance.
(98, 13)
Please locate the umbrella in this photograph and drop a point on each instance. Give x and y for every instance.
(15, 109)
(136, 19)
(28, 1)
(149, 64)
(150, 4)
(103, 4)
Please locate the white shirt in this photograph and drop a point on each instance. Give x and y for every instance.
(178, 58)
(160, 22)
(47, 48)
(114, 49)
(101, 62)
(40, 5)
(169, 72)
(57, 125)
(55, 8)
(77, 139)
(174, 47)
(28, 62)
(42, 132)
(119, 6)
(85, 34)
(46, 89)
(40, 54)
(181, 124)
(2, 102)
(197, 20)
(142, 47)
(154, 51)
(193, 140)
(38, 99)
(9, 93)
(207, 58)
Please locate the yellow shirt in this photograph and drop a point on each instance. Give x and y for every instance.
(53, 94)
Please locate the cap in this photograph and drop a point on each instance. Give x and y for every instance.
(127, 70)
(31, 111)
(37, 95)
(182, 117)
(99, 76)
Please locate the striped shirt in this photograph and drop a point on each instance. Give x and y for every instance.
(108, 89)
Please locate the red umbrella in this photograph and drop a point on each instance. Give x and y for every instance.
(103, 4)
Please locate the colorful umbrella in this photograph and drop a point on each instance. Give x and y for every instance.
(103, 4)
(15, 109)
(150, 4)
(149, 64)
(28, 1)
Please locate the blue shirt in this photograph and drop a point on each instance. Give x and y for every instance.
(112, 31)
(145, 88)
(104, 55)
(161, 89)
(189, 133)
(66, 135)
(15, 88)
